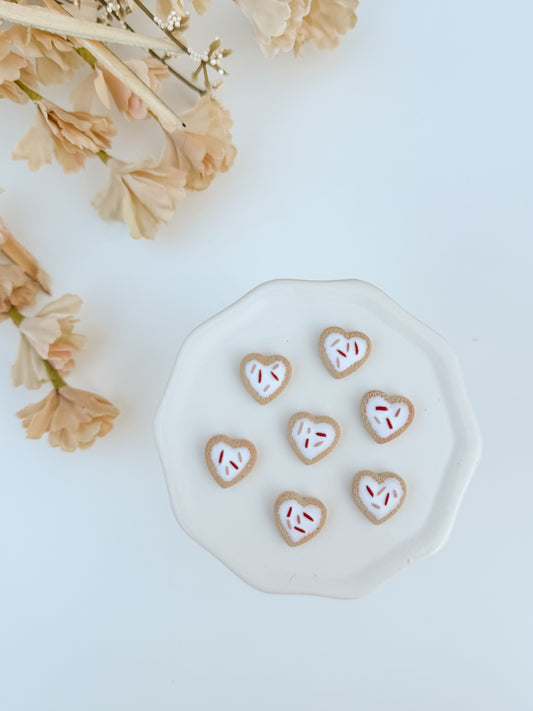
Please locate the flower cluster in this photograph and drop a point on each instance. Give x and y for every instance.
(142, 193)
(197, 145)
(285, 25)
(48, 345)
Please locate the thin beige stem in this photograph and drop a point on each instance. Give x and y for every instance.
(43, 19)
(181, 45)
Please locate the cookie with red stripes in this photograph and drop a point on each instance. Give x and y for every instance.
(265, 377)
(343, 352)
(299, 518)
(379, 496)
(312, 437)
(386, 416)
(229, 460)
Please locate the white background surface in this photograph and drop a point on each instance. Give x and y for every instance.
(404, 158)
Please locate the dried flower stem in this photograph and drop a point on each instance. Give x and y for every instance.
(34, 96)
(182, 46)
(54, 376)
(87, 56)
(15, 315)
(68, 26)
(179, 76)
(56, 380)
(104, 157)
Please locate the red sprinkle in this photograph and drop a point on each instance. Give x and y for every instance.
(274, 375)
(387, 499)
(260, 372)
(389, 423)
(235, 466)
(341, 353)
(289, 511)
(321, 434)
(397, 412)
(382, 407)
(369, 490)
(356, 348)
(309, 517)
(221, 457)
(299, 529)
(306, 443)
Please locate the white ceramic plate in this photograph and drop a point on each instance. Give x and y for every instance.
(436, 455)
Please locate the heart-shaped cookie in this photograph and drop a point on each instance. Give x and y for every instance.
(386, 416)
(298, 518)
(229, 460)
(379, 496)
(312, 437)
(265, 377)
(343, 352)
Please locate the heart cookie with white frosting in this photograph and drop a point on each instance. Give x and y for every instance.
(265, 377)
(229, 460)
(386, 416)
(312, 438)
(343, 352)
(299, 518)
(379, 496)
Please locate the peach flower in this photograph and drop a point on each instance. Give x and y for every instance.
(204, 147)
(48, 335)
(325, 22)
(276, 22)
(13, 67)
(55, 56)
(69, 135)
(142, 194)
(16, 289)
(102, 83)
(73, 418)
(284, 25)
(10, 63)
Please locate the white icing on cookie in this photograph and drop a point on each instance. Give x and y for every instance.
(229, 460)
(265, 380)
(312, 437)
(299, 518)
(385, 416)
(265, 376)
(379, 496)
(343, 352)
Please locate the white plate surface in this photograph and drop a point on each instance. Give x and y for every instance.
(436, 455)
